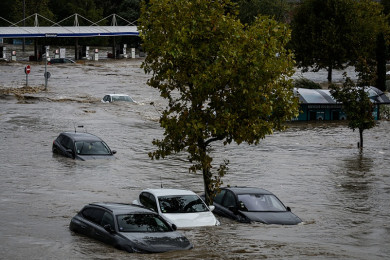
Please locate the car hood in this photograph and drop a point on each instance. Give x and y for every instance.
(281, 218)
(93, 157)
(157, 242)
(193, 219)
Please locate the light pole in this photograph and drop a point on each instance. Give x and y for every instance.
(24, 22)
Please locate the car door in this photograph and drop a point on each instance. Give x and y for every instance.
(148, 201)
(66, 145)
(228, 205)
(102, 234)
(98, 217)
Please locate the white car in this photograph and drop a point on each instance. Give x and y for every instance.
(183, 208)
(116, 97)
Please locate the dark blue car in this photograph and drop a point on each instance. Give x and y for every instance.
(82, 146)
(132, 228)
(246, 204)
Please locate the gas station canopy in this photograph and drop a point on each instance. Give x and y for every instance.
(67, 31)
(15, 30)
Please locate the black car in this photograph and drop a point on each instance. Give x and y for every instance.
(83, 146)
(246, 204)
(60, 60)
(128, 227)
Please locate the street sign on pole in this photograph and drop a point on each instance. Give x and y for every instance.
(27, 71)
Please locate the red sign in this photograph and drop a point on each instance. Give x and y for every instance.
(27, 69)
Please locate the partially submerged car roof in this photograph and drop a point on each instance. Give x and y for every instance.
(169, 192)
(82, 136)
(248, 190)
(121, 208)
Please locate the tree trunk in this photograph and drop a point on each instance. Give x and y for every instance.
(206, 172)
(206, 181)
(361, 138)
(330, 69)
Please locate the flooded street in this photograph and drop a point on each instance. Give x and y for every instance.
(341, 195)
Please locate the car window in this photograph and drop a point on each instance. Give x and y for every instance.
(261, 202)
(229, 200)
(218, 198)
(93, 214)
(181, 204)
(142, 223)
(148, 201)
(92, 148)
(67, 142)
(108, 219)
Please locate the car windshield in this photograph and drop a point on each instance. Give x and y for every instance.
(142, 223)
(92, 148)
(261, 202)
(121, 98)
(181, 204)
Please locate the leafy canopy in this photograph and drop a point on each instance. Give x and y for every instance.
(223, 81)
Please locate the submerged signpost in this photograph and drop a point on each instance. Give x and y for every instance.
(47, 74)
(27, 71)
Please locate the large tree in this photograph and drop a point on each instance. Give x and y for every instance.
(333, 34)
(223, 81)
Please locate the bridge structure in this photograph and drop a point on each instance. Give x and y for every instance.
(56, 30)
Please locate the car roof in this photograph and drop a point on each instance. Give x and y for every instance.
(169, 192)
(115, 95)
(121, 208)
(81, 136)
(248, 190)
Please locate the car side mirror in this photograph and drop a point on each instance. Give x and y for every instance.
(211, 207)
(71, 152)
(288, 208)
(242, 206)
(109, 229)
(174, 227)
(113, 152)
(233, 209)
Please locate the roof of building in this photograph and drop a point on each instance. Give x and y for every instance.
(323, 96)
(67, 31)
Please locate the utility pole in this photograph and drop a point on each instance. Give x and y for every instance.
(24, 21)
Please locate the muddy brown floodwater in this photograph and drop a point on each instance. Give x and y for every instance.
(342, 195)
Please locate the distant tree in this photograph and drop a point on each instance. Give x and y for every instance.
(87, 8)
(129, 10)
(319, 29)
(381, 55)
(40, 7)
(6, 11)
(356, 103)
(333, 34)
(386, 6)
(223, 81)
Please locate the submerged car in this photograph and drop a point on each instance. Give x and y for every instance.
(116, 97)
(182, 208)
(59, 60)
(82, 146)
(246, 204)
(128, 227)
